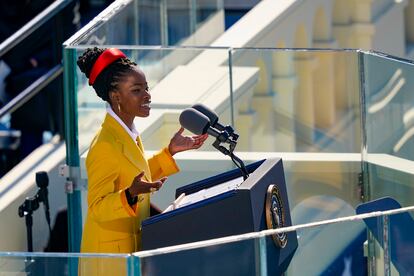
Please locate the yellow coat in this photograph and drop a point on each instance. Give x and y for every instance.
(112, 226)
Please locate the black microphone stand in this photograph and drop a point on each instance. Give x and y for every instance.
(29, 205)
(231, 139)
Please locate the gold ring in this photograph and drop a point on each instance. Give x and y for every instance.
(153, 189)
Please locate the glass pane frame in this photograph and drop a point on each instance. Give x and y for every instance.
(390, 256)
(387, 126)
(375, 167)
(147, 57)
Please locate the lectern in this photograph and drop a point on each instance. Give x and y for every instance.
(221, 206)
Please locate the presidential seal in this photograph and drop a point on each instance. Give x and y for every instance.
(275, 214)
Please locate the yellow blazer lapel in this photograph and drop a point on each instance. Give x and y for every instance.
(134, 156)
(140, 146)
(131, 151)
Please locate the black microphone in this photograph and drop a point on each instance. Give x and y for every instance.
(198, 123)
(194, 121)
(42, 181)
(213, 117)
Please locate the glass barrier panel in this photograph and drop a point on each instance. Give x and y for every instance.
(388, 127)
(320, 248)
(150, 16)
(211, 260)
(26, 263)
(118, 24)
(206, 9)
(309, 251)
(372, 244)
(391, 176)
(319, 186)
(194, 22)
(296, 100)
(389, 122)
(331, 249)
(175, 83)
(321, 189)
(181, 77)
(161, 22)
(180, 20)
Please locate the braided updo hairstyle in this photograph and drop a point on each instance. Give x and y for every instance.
(109, 78)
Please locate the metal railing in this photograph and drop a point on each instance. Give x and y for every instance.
(10, 139)
(31, 91)
(32, 25)
(28, 29)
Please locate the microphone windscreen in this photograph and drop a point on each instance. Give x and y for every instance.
(194, 121)
(212, 116)
(42, 180)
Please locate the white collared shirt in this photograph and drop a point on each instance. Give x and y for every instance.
(132, 132)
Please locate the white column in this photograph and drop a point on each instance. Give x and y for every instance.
(283, 86)
(264, 131)
(363, 29)
(324, 85)
(244, 122)
(409, 22)
(341, 33)
(361, 11)
(304, 100)
(362, 34)
(284, 110)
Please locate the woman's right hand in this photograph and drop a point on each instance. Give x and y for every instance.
(140, 186)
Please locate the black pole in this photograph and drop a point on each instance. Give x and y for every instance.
(29, 224)
(29, 205)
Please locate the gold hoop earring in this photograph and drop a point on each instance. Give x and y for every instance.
(119, 108)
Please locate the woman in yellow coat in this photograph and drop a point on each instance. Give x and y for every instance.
(119, 177)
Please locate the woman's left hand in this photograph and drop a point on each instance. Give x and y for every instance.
(182, 143)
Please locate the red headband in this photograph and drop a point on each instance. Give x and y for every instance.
(107, 57)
